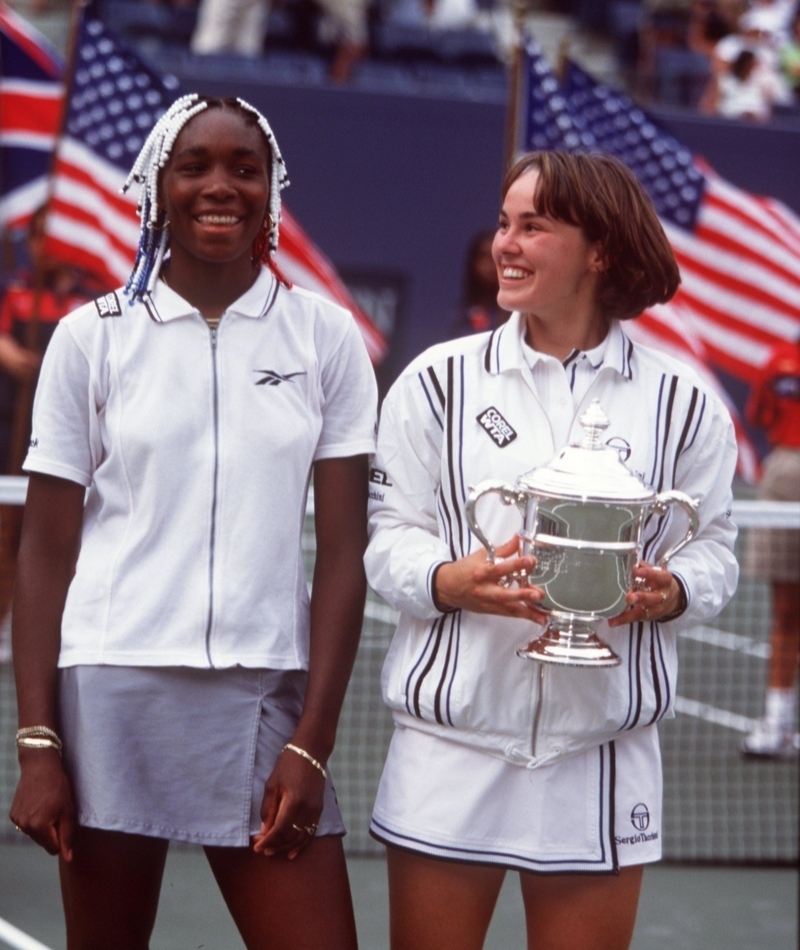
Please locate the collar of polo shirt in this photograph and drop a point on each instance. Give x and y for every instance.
(254, 302)
(505, 352)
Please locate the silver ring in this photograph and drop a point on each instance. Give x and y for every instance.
(647, 613)
(663, 597)
(19, 829)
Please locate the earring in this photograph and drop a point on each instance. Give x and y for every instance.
(157, 227)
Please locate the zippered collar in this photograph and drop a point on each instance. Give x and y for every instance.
(164, 304)
(504, 349)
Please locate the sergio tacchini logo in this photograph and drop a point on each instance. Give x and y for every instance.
(640, 817)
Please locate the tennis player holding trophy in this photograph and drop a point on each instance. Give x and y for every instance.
(618, 537)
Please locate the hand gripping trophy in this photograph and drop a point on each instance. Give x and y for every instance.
(583, 516)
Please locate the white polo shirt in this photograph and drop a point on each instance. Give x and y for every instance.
(196, 448)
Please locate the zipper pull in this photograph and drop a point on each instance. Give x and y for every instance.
(213, 338)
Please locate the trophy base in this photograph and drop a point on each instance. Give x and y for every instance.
(570, 644)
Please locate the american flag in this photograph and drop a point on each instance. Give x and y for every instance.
(739, 254)
(115, 99)
(30, 113)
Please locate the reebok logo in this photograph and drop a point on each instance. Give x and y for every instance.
(273, 378)
(108, 305)
(497, 427)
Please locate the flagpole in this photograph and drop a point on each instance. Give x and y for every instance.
(24, 401)
(519, 8)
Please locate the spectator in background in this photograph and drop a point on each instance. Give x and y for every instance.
(744, 90)
(709, 22)
(746, 81)
(240, 26)
(773, 554)
(32, 304)
(479, 310)
(790, 57)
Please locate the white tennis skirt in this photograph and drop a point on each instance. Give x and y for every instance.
(592, 812)
(179, 753)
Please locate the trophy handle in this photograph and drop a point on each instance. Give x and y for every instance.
(506, 494)
(690, 506)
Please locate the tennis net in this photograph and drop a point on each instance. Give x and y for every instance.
(718, 806)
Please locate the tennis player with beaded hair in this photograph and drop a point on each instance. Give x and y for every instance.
(174, 680)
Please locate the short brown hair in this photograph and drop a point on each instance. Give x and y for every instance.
(601, 196)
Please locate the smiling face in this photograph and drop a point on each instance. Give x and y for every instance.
(546, 267)
(215, 190)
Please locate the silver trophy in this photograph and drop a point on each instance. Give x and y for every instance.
(582, 519)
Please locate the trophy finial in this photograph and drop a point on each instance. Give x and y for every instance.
(594, 422)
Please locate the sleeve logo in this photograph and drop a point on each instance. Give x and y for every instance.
(499, 430)
(108, 305)
(378, 477)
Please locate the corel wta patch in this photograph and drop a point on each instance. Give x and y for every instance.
(108, 305)
(502, 434)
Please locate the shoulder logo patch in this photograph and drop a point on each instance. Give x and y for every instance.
(273, 378)
(108, 305)
(498, 428)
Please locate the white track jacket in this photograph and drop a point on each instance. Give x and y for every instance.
(466, 411)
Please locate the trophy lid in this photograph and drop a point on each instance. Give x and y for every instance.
(591, 470)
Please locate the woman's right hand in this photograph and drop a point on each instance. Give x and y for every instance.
(43, 805)
(475, 583)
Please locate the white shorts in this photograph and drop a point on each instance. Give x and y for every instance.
(592, 812)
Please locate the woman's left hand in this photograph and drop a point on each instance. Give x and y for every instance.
(655, 594)
(292, 805)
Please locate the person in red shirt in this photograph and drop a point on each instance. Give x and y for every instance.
(773, 554)
(31, 306)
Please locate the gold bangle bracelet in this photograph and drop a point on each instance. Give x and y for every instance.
(38, 742)
(307, 757)
(41, 731)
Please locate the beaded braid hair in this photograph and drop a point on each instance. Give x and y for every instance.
(154, 237)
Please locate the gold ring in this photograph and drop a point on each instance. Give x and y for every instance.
(310, 830)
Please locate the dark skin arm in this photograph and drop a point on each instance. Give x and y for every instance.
(51, 531)
(294, 791)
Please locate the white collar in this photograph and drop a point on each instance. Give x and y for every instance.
(164, 304)
(504, 350)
